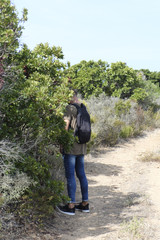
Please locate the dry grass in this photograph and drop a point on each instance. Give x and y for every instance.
(114, 119)
(151, 157)
(136, 229)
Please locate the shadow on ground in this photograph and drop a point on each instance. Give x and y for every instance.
(106, 205)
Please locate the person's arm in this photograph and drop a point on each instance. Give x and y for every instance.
(67, 121)
(66, 128)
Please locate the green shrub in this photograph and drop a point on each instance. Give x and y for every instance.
(89, 78)
(39, 202)
(27, 185)
(139, 94)
(41, 174)
(126, 132)
(122, 107)
(122, 80)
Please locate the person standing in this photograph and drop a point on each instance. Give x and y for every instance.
(74, 163)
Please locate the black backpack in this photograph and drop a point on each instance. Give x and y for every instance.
(83, 128)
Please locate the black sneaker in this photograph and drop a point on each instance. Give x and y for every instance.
(82, 208)
(66, 210)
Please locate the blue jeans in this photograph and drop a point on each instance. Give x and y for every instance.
(72, 164)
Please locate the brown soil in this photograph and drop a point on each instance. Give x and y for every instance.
(124, 195)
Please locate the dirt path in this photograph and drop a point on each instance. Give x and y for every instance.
(124, 195)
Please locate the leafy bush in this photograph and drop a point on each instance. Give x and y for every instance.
(122, 80)
(27, 188)
(11, 28)
(126, 132)
(32, 102)
(89, 78)
(31, 110)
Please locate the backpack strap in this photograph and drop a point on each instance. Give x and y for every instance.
(76, 105)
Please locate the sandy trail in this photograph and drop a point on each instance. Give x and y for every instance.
(121, 188)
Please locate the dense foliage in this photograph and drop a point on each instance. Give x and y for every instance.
(89, 78)
(118, 80)
(32, 100)
(153, 76)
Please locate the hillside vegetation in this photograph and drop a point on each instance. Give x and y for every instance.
(35, 87)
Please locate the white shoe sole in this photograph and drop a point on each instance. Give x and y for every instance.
(85, 211)
(66, 213)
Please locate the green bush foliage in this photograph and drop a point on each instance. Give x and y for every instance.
(11, 28)
(122, 80)
(89, 78)
(118, 80)
(154, 77)
(126, 132)
(32, 101)
(32, 112)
